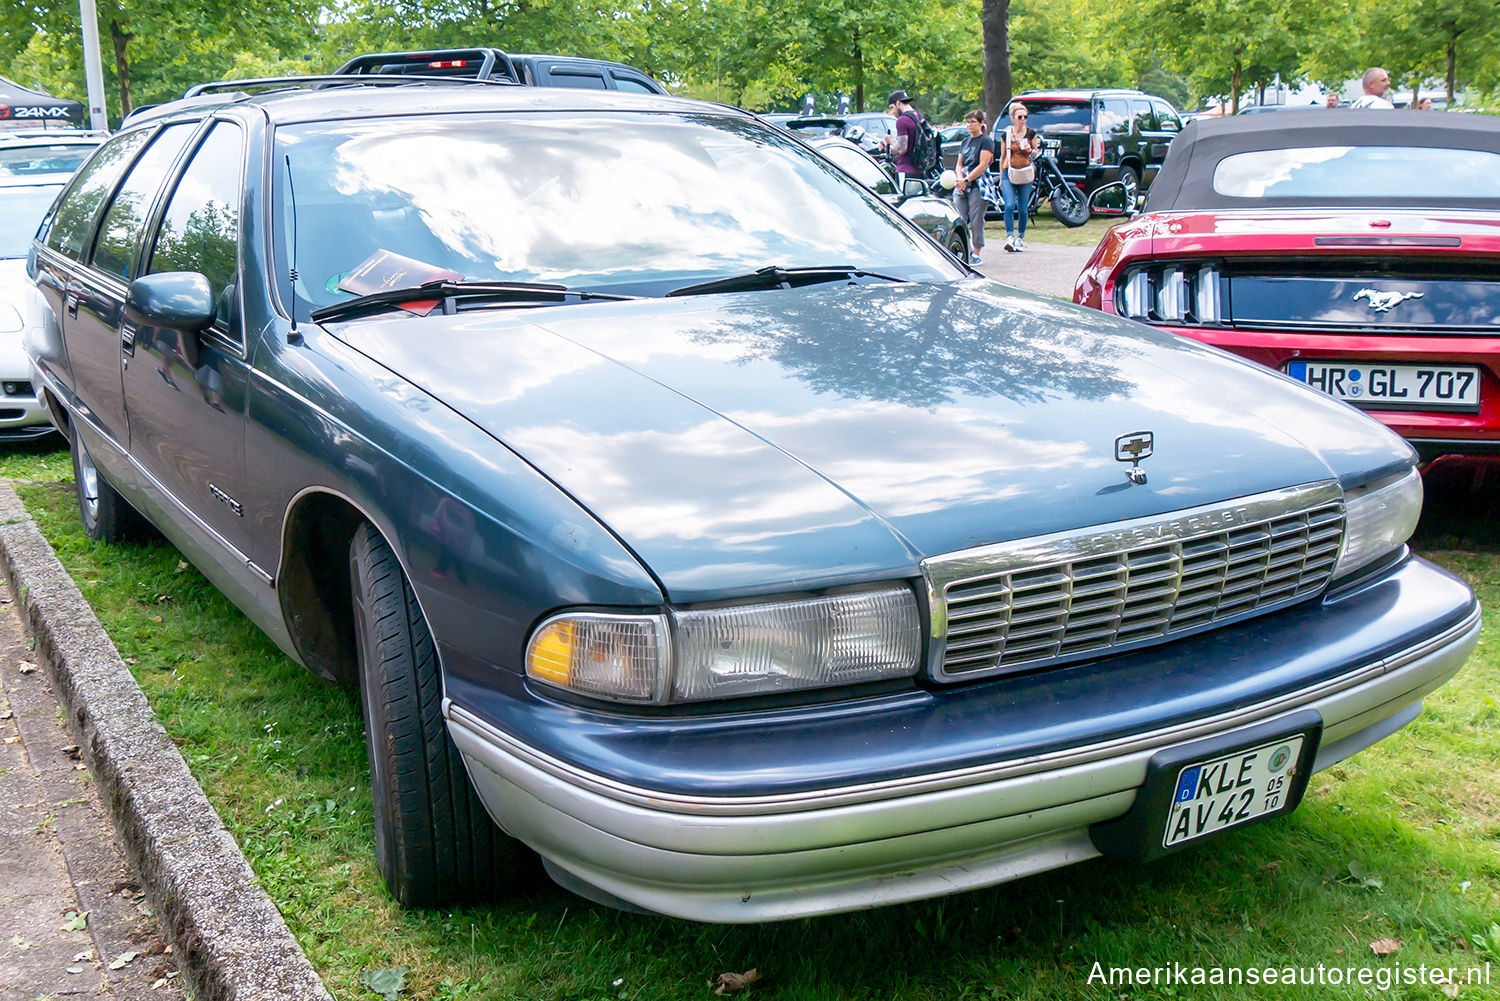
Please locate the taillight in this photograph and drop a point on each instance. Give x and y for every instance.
(1172, 293)
(1096, 148)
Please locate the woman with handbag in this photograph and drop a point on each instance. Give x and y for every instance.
(1018, 145)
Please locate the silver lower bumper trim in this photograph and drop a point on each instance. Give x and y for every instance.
(771, 858)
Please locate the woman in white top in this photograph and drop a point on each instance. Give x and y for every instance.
(1018, 144)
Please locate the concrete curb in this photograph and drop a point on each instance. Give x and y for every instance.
(226, 933)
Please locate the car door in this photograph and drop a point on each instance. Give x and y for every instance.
(185, 392)
(1142, 128)
(92, 376)
(1167, 125)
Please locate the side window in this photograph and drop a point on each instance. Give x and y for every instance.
(1114, 117)
(631, 84)
(80, 203)
(1166, 118)
(1145, 118)
(200, 228)
(114, 248)
(577, 81)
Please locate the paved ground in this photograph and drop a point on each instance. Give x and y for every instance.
(1049, 268)
(70, 906)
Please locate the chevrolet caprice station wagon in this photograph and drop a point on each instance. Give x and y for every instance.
(689, 518)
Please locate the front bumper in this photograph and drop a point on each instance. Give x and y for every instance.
(772, 856)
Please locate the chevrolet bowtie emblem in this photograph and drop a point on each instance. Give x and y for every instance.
(1132, 448)
(1384, 302)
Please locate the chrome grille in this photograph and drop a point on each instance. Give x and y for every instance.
(1017, 606)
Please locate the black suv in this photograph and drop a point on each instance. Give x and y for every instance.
(1107, 135)
(526, 68)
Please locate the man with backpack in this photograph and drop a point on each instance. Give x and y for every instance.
(914, 148)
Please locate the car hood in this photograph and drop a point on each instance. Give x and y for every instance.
(794, 439)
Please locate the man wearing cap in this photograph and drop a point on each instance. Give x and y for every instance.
(900, 145)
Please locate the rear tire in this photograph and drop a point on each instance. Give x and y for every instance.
(434, 842)
(106, 516)
(1070, 207)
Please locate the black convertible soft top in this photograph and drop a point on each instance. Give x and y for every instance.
(1185, 182)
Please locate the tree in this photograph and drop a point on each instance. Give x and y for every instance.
(994, 21)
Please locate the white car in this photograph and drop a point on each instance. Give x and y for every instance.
(24, 200)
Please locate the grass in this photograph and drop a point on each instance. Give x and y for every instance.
(1401, 842)
(1046, 229)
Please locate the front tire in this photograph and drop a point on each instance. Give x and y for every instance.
(434, 842)
(106, 516)
(1070, 207)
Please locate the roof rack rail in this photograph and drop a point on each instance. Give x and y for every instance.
(319, 82)
(479, 63)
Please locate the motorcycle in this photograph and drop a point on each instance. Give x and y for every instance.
(1068, 203)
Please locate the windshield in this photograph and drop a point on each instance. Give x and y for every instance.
(635, 203)
(21, 212)
(1056, 116)
(55, 158)
(1334, 173)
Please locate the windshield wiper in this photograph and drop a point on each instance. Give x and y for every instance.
(450, 293)
(775, 277)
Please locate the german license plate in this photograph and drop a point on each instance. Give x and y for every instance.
(1386, 386)
(1234, 789)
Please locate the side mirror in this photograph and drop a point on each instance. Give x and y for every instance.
(1109, 199)
(913, 187)
(854, 134)
(178, 300)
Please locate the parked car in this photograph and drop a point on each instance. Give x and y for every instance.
(952, 136)
(865, 128)
(1107, 135)
(32, 152)
(921, 202)
(24, 201)
(1356, 252)
(680, 505)
(34, 166)
(537, 70)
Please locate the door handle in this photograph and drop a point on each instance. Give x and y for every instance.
(72, 295)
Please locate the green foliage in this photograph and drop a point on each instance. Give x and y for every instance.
(1157, 79)
(1069, 43)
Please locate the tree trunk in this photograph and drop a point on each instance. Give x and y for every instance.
(994, 21)
(120, 38)
(1234, 88)
(859, 76)
(1452, 65)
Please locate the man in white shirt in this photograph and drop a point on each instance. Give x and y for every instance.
(1377, 81)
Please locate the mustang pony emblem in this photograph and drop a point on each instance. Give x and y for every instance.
(1384, 302)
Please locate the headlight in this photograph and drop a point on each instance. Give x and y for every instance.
(767, 647)
(1380, 519)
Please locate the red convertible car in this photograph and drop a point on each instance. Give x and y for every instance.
(1355, 251)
